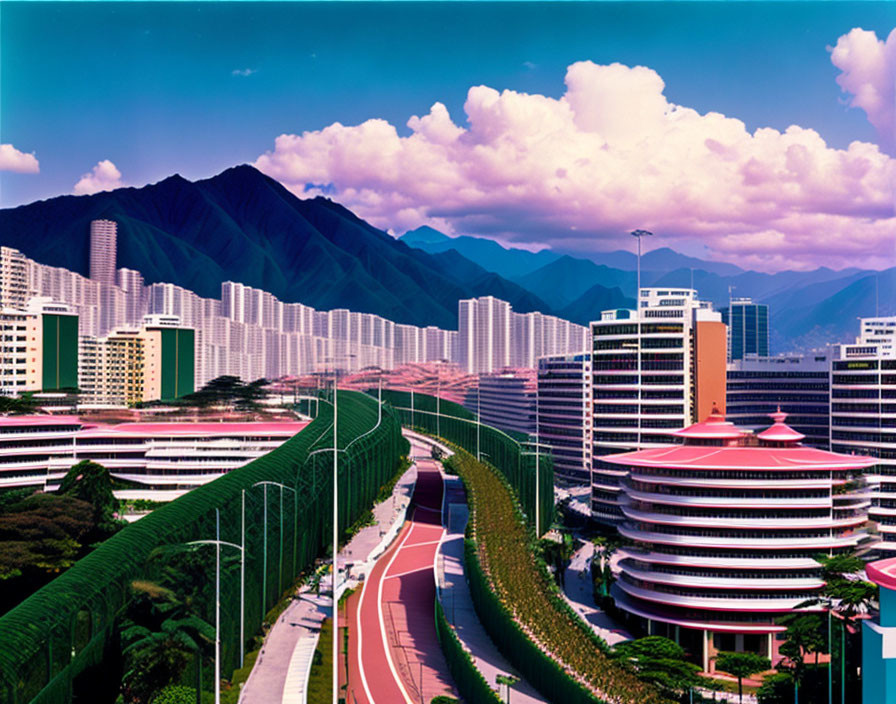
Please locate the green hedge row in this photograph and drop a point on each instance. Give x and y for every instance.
(63, 639)
(458, 425)
(470, 683)
(521, 608)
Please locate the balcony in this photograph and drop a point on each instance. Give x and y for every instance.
(820, 543)
(731, 581)
(722, 603)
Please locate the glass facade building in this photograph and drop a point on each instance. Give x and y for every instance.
(747, 328)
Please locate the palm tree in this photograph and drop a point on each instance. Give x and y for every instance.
(155, 659)
(845, 595)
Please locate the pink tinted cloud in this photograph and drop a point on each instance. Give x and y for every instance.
(868, 72)
(610, 155)
(103, 177)
(11, 159)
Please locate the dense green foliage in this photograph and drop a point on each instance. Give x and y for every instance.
(742, 665)
(521, 468)
(470, 683)
(91, 482)
(662, 662)
(320, 681)
(55, 641)
(227, 391)
(42, 534)
(521, 607)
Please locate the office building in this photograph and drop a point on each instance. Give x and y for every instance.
(103, 251)
(747, 328)
(564, 414)
(38, 348)
(724, 531)
(654, 370)
(128, 366)
(799, 385)
(863, 418)
(14, 285)
(159, 461)
(505, 400)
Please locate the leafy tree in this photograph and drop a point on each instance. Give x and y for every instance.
(806, 634)
(776, 688)
(91, 482)
(227, 391)
(742, 665)
(660, 661)
(601, 574)
(175, 694)
(40, 536)
(557, 555)
(16, 406)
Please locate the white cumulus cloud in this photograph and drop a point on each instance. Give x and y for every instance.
(11, 159)
(868, 72)
(242, 72)
(610, 155)
(102, 177)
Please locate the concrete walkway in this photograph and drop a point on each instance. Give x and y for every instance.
(281, 671)
(579, 595)
(458, 605)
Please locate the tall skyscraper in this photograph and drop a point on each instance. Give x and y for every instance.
(747, 328)
(484, 334)
(103, 253)
(655, 370)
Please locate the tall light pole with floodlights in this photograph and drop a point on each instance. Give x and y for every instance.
(639, 235)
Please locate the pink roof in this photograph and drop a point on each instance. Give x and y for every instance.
(714, 427)
(285, 427)
(735, 457)
(779, 431)
(39, 420)
(882, 572)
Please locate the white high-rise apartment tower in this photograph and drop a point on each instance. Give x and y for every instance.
(103, 235)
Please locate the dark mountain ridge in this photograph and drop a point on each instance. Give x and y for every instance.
(244, 226)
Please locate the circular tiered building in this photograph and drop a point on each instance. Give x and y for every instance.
(725, 526)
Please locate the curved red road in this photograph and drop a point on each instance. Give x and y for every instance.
(395, 656)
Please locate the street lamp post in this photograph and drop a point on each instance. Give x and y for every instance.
(478, 415)
(537, 466)
(217, 542)
(335, 537)
(295, 501)
(639, 234)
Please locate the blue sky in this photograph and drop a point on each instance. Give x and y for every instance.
(151, 86)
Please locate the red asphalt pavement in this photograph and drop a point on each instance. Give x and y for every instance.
(395, 656)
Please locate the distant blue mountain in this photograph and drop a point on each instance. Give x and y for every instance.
(509, 263)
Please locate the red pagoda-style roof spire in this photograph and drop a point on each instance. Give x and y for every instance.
(779, 431)
(715, 427)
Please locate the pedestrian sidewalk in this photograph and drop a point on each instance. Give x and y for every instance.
(281, 671)
(579, 594)
(454, 594)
